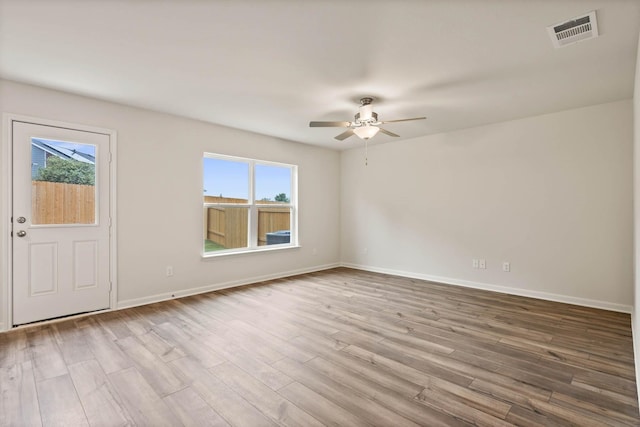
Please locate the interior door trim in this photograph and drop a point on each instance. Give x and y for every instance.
(6, 208)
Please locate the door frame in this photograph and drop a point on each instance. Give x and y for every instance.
(6, 201)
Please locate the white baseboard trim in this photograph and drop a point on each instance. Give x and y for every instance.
(2, 328)
(623, 308)
(218, 286)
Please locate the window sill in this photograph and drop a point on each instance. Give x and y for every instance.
(273, 248)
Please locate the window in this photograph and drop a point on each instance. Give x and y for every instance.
(63, 186)
(248, 204)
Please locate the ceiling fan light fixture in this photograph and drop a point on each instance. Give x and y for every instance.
(366, 132)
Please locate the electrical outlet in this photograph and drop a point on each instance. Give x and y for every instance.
(169, 271)
(365, 251)
(476, 263)
(506, 266)
(483, 264)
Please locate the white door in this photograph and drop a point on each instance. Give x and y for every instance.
(60, 222)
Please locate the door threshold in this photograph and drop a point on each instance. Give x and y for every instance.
(56, 319)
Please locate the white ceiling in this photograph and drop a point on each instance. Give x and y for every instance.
(272, 66)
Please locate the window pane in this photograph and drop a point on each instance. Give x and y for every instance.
(273, 184)
(274, 226)
(225, 228)
(225, 181)
(63, 176)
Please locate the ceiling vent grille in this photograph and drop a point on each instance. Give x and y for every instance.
(573, 31)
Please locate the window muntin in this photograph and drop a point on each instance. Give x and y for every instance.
(248, 204)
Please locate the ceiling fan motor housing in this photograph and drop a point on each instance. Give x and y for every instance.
(365, 112)
(373, 117)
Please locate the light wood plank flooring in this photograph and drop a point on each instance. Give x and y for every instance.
(338, 348)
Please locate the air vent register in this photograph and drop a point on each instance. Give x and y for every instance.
(573, 31)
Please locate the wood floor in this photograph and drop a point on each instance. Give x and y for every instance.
(339, 347)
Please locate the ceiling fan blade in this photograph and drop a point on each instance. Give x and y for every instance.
(403, 120)
(386, 132)
(329, 124)
(344, 135)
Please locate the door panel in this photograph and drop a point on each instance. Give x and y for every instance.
(43, 261)
(85, 264)
(60, 222)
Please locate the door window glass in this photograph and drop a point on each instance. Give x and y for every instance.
(63, 178)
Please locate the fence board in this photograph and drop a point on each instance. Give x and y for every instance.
(61, 203)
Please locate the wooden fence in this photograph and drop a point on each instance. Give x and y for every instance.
(228, 226)
(270, 220)
(217, 199)
(60, 203)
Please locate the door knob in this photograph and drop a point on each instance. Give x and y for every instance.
(21, 220)
(21, 233)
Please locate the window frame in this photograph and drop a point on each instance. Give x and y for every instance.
(253, 208)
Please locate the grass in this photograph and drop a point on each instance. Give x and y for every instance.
(210, 246)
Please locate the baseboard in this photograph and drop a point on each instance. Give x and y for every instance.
(219, 286)
(2, 328)
(496, 288)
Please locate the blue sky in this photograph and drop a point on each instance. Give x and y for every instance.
(231, 179)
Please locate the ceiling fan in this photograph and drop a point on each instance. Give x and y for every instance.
(365, 125)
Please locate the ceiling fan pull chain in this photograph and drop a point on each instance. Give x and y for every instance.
(366, 152)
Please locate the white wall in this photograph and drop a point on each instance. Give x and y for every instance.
(160, 193)
(550, 194)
